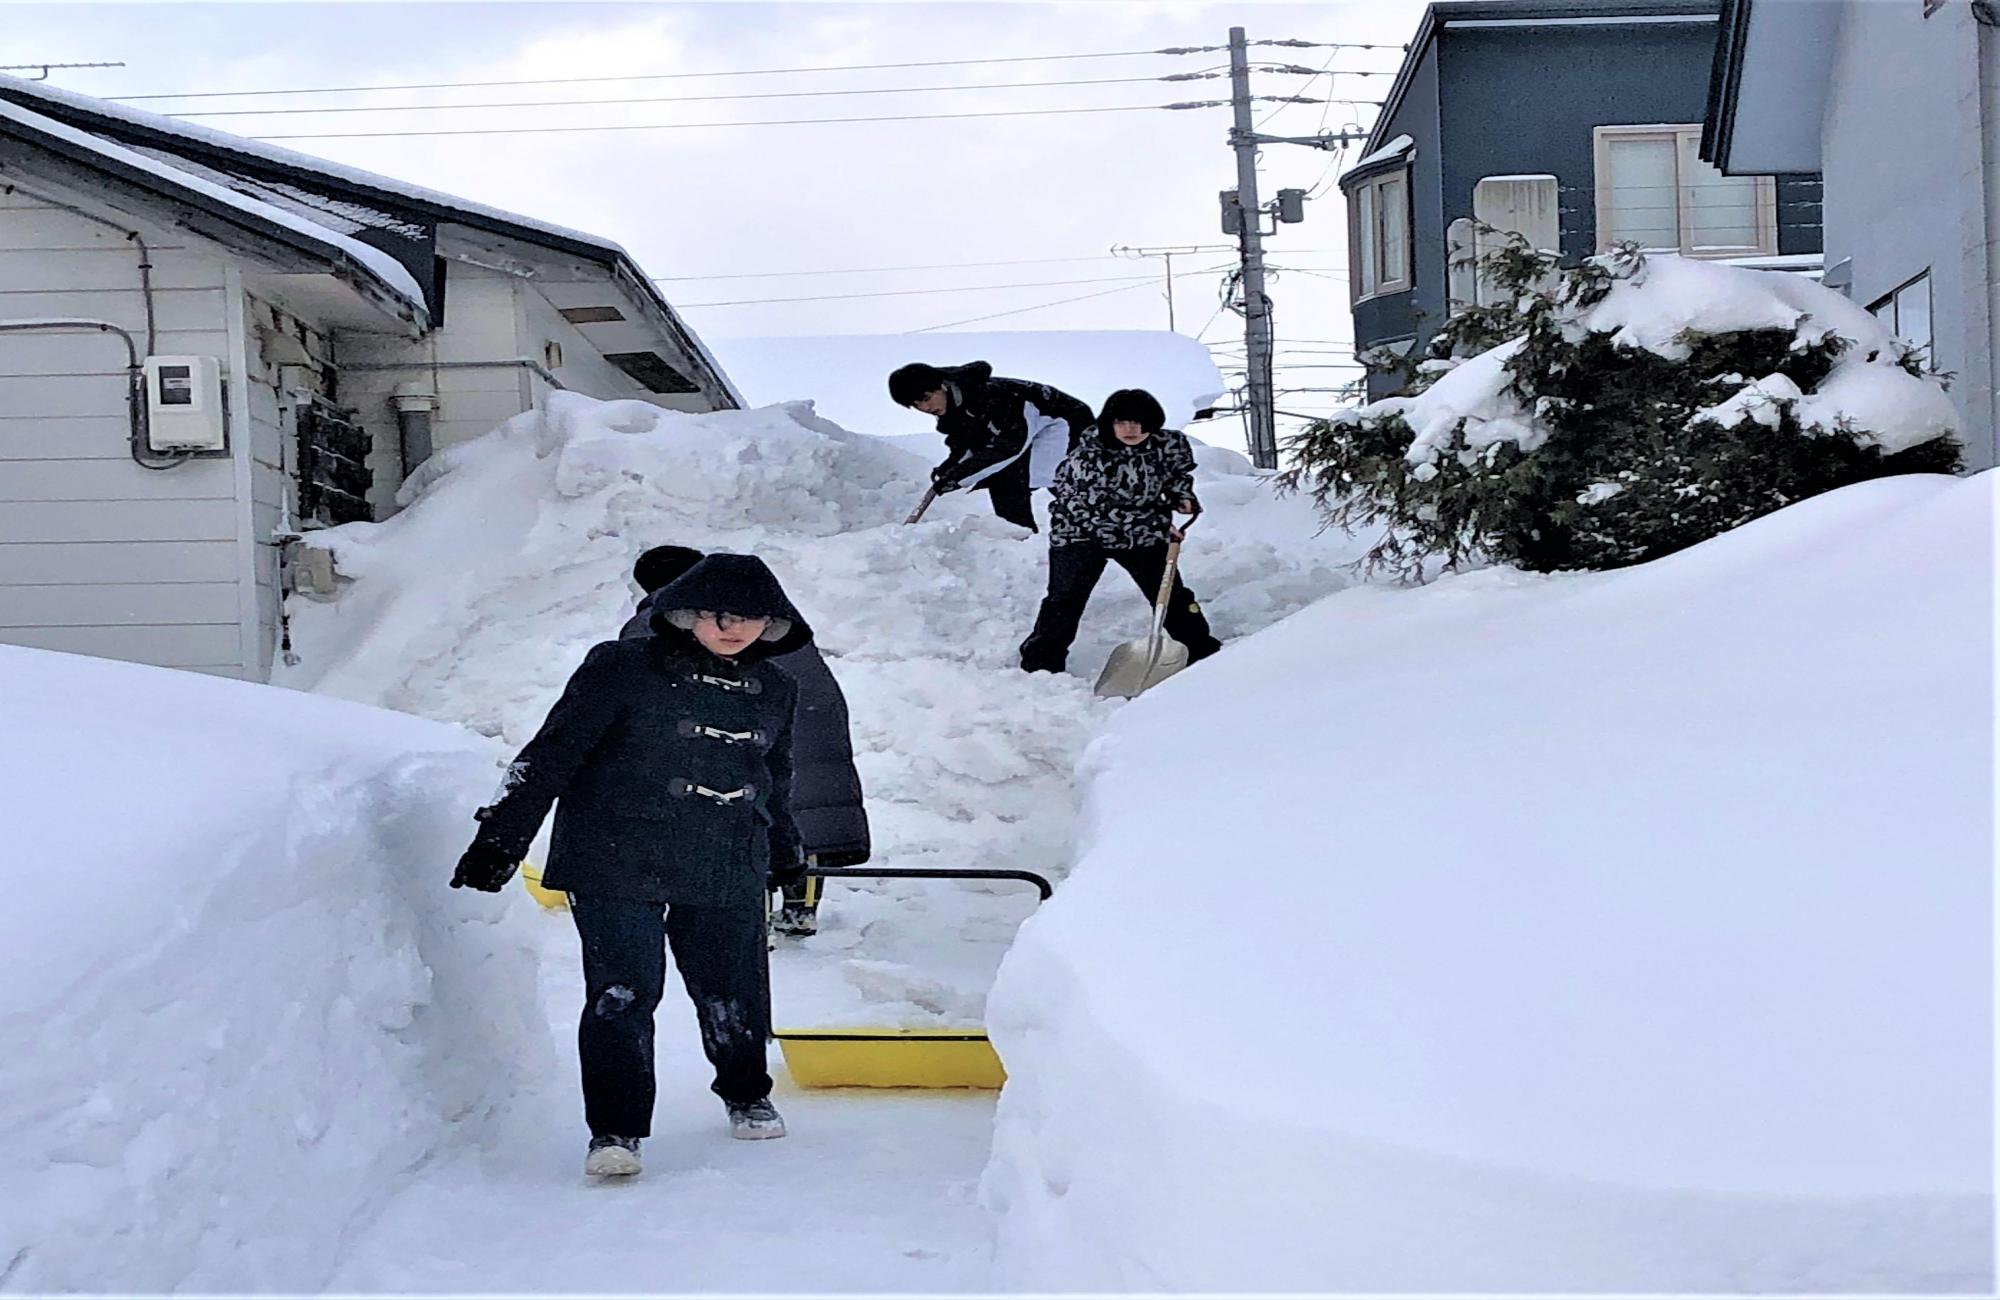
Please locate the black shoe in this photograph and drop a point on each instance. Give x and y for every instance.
(755, 1120)
(796, 920)
(612, 1157)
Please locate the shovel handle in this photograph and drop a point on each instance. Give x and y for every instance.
(1040, 882)
(1157, 641)
(923, 505)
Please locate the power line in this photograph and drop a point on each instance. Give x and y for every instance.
(666, 99)
(974, 320)
(876, 270)
(700, 126)
(665, 76)
(1060, 302)
(910, 293)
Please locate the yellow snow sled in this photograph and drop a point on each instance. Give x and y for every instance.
(844, 1057)
(531, 880)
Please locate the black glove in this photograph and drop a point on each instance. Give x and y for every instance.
(945, 478)
(485, 866)
(788, 875)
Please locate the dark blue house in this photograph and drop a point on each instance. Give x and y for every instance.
(1576, 123)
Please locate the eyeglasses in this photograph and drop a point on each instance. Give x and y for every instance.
(725, 620)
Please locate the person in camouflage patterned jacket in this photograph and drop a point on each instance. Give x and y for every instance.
(1005, 436)
(1114, 501)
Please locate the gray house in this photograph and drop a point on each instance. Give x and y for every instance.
(1898, 104)
(210, 346)
(1575, 123)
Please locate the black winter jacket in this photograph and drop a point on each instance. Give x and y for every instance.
(826, 789)
(985, 421)
(1118, 497)
(670, 768)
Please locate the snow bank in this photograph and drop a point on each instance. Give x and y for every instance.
(238, 1002)
(847, 376)
(1654, 303)
(476, 603)
(1629, 931)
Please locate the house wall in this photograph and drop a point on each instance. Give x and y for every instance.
(1420, 309)
(98, 555)
(1906, 155)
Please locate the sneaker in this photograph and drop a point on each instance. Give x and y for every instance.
(796, 921)
(755, 1120)
(612, 1157)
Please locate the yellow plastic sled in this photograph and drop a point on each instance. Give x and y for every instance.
(531, 880)
(842, 1057)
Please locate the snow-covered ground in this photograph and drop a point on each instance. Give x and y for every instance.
(1609, 932)
(234, 1012)
(474, 605)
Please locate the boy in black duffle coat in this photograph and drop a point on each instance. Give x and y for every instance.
(1114, 501)
(826, 788)
(669, 761)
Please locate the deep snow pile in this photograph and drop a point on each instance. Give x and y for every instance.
(475, 604)
(234, 1005)
(1626, 931)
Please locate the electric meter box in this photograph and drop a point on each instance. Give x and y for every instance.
(184, 409)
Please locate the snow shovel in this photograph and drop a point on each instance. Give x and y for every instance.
(840, 1057)
(1150, 660)
(922, 506)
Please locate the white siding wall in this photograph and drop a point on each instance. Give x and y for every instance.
(97, 555)
(1906, 183)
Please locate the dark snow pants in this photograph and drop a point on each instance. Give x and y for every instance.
(1073, 575)
(1013, 499)
(722, 958)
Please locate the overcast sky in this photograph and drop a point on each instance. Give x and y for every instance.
(751, 201)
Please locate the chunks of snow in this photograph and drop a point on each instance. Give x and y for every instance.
(1610, 932)
(239, 1002)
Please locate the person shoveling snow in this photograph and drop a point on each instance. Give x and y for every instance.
(1006, 436)
(1115, 498)
(672, 759)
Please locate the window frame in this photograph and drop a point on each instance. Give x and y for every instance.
(1892, 303)
(1678, 135)
(1365, 245)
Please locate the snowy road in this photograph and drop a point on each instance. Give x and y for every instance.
(869, 1193)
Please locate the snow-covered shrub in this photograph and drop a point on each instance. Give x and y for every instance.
(1620, 411)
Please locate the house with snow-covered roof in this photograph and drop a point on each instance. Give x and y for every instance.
(1574, 123)
(210, 346)
(1899, 106)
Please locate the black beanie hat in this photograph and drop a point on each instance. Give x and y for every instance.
(662, 564)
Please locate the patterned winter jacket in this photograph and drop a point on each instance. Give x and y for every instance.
(1117, 497)
(986, 419)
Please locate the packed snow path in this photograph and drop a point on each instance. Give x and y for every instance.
(476, 603)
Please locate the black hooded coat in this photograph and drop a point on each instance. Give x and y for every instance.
(826, 790)
(985, 421)
(670, 768)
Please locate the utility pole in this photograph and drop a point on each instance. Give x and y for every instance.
(1126, 250)
(1250, 238)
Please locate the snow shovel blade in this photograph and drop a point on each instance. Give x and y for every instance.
(1134, 667)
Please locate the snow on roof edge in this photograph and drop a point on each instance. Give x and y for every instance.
(392, 275)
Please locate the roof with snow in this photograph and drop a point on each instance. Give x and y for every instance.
(336, 201)
(847, 375)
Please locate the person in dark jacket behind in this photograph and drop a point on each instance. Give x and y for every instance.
(1114, 502)
(1005, 436)
(669, 761)
(826, 790)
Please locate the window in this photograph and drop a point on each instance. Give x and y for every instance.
(1907, 314)
(1654, 190)
(1378, 217)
